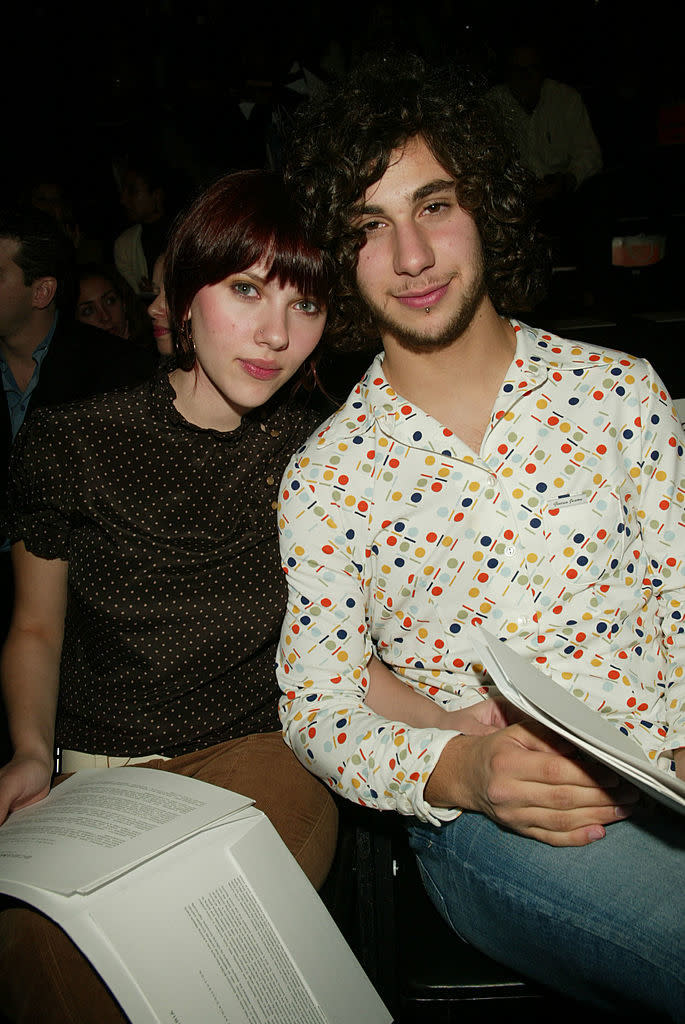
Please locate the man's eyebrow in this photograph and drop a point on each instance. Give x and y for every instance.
(439, 185)
(429, 189)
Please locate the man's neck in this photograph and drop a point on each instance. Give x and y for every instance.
(19, 346)
(456, 385)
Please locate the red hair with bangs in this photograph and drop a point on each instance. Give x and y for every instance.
(242, 219)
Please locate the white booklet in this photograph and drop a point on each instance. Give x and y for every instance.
(540, 697)
(186, 901)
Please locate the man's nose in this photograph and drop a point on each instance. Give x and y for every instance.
(413, 252)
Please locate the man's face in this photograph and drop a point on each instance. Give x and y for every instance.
(16, 298)
(420, 270)
(140, 202)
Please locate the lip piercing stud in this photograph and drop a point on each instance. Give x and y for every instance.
(428, 309)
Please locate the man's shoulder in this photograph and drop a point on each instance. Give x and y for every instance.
(83, 360)
(559, 92)
(562, 353)
(129, 236)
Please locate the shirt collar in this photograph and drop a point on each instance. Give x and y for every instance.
(40, 349)
(538, 353)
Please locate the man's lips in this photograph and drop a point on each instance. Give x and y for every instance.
(422, 300)
(259, 370)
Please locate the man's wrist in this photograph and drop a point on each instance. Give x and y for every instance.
(449, 785)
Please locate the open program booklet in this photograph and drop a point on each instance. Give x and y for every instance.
(538, 696)
(186, 901)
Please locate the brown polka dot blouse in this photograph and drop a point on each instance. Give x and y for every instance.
(175, 595)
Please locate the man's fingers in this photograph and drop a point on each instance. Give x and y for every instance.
(571, 768)
(578, 837)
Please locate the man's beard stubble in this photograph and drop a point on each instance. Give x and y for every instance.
(420, 341)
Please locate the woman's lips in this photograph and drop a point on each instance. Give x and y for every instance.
(260, 371)
(424, 300)
(160, 332)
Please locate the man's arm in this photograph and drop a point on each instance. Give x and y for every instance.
(518, 775)
(470, 776)
(30, 676)
(661, 514)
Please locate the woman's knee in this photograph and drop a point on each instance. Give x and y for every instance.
(44, 977)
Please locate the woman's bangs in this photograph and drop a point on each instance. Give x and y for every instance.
(294, 262)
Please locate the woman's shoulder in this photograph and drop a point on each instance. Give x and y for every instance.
(72, 421)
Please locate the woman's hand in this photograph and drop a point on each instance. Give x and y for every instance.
(388, 695)
(482, 718)
(24, 780)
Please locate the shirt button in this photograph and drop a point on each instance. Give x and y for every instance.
(270, 480)
(509, 550)
(274, 505)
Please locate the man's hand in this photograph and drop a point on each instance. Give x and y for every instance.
(24, 780)
(524, 779)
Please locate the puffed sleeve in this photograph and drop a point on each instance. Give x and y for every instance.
(40, 492)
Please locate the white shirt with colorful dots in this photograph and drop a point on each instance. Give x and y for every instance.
(564, 536)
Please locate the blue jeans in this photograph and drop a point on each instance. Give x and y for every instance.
(604, 923)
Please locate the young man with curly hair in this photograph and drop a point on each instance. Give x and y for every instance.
(484, 472)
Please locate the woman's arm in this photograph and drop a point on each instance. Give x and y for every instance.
(679, 758)
(387, 695)
(30, 676)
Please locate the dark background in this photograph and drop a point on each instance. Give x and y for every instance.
(85, 86)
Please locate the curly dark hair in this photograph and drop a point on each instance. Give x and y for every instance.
(341, 142)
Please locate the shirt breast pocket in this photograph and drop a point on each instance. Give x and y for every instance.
(587, 537)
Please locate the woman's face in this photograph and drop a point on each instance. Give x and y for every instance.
(99, 304)
(157, 311)
(250, 335)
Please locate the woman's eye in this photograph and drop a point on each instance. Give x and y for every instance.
(111, 300)
(246, 289)
(86, 311)
(308, 306)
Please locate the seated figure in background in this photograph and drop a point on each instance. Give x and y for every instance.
(106, 301)
(548, 124)
(143, 197)
(46, 356)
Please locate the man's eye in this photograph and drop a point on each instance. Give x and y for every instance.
(372, 225)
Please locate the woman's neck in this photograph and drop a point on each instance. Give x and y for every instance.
(199, 402)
